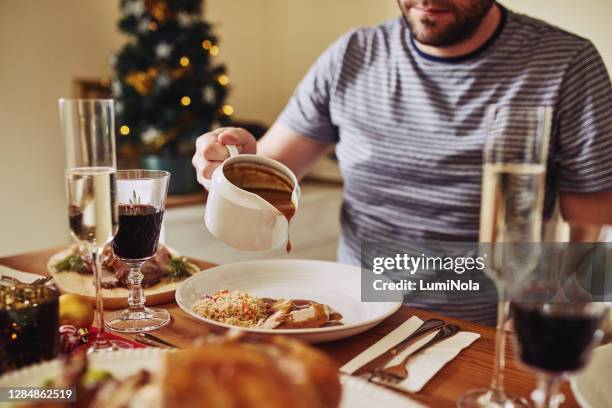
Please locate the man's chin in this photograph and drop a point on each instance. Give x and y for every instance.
(433, 31)
(434, 38)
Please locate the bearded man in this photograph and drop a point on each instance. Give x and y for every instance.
(404, 104)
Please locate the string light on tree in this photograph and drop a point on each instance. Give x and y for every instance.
(185, 101)
(184, 61)
(223, 79)
(206, 44)
(214, 50)
(228, 110)
(124, 130)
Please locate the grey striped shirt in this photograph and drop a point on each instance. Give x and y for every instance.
(409, 127)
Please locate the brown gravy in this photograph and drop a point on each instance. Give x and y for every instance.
(279, 199)
(272, 186)
(297, 304)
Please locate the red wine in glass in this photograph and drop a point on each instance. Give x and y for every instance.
(141, 196)
(555, 339)
(138, 235)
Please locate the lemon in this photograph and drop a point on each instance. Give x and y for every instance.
(75, 310)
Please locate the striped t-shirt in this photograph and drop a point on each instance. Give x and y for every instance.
(409, 127)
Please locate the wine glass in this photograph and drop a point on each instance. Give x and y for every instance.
(558, 311)
(88, 127)
(513, 183)
(142, 200)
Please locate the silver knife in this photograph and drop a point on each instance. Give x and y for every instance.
(147, 342)
(149, 339)
(380, 361)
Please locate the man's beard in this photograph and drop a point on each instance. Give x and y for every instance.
(466, 21)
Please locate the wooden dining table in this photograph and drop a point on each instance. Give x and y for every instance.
(471, 369)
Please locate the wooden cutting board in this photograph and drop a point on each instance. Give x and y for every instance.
(73, 282)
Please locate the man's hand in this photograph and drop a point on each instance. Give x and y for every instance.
(280, 143)
(211, 150)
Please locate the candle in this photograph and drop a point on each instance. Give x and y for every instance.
(29, 316)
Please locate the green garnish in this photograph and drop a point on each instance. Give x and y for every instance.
(135, 200)
(90, 379)
(180, 268)
(95, 376)
(71, 263)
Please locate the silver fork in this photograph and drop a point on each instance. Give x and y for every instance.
(399, 372)
(42, 281)
(14, 281)
(366, 371)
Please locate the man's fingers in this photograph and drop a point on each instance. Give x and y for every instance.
(239, 137)
(204, 140)
(218, 131)
(215, 151)
(211, 150)
(209, 168)
(230, 137)
(204, 182)
(233, 136)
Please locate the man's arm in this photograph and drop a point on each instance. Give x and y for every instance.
(589, 208)
(582, 154)
(586, 213)
(297, 152)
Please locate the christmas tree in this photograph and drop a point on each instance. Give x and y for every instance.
(168, 86)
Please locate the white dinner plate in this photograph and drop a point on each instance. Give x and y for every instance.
(593, 386)
(356, 393)
(334, 284)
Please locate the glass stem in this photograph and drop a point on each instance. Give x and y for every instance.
(497, 382)
(136, 298)
(546, 395)
(101, 339)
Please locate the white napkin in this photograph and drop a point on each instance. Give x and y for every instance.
(424, 365)
(386, 343)
(25, 277)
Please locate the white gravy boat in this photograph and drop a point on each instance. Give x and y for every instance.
(243, 219)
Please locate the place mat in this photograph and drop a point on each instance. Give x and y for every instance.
(424, 365)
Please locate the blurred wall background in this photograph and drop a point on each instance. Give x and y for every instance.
(267, 44)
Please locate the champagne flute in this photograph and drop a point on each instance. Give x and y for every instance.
(88, 127)
(142, 198)
(515, 156)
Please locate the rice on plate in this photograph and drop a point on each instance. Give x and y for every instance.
(235, 308)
